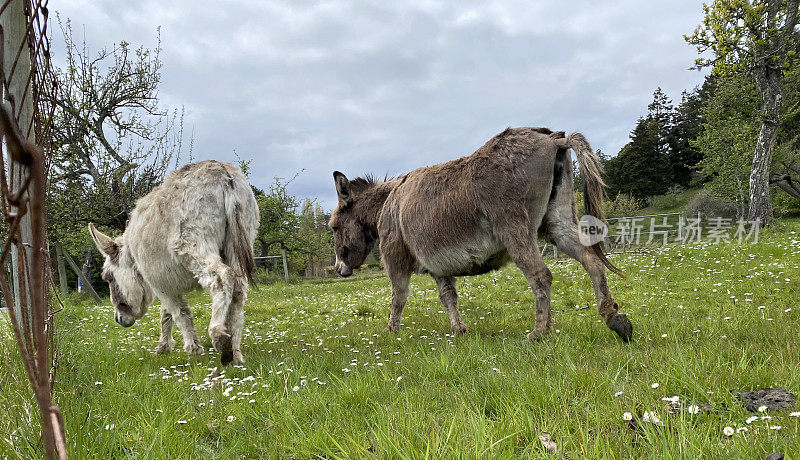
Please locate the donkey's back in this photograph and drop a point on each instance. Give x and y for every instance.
(197, 227)
(449, 214)
(204, 207)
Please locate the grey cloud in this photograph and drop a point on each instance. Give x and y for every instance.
(385, 87)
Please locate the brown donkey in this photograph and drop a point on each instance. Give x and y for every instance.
(471, 215)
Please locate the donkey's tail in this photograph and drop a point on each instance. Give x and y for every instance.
(593, 187)
(238, 241)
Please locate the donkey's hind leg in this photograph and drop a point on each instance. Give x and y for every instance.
(235, 321)
(524, 251)
(565, 234)
(449, 297)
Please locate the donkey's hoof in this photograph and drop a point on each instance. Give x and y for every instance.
(459, 329)
(537, 336)
(622, 326)
(163, 348)
(237, 357)
(223, 344)
(393, 328)
(194, 348)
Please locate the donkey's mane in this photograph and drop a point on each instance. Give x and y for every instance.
(365, 181)
(368, 180)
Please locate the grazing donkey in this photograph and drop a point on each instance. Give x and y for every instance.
(472, 215)
(195, 228)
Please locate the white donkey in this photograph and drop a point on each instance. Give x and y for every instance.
(196, 227)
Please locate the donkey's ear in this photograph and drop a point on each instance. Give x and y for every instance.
(104, 243)
(342, 187)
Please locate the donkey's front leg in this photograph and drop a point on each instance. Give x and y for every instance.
(399, 266)
(400, 283)
(166, 342)
(181, 314)
(449, 297)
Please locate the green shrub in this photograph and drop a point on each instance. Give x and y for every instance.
(710, 206)
(784, 204)
(622, 205)
(669, 199)
(577, 195)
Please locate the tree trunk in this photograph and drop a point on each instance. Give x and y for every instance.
(790, 186)
(742, 203)
(769, 84)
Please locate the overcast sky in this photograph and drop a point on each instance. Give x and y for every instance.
(388, 86)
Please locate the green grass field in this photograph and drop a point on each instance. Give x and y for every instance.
(323, 378)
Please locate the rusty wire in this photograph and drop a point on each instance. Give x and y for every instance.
(24, 164)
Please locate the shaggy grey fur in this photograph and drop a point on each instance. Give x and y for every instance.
(196, 228)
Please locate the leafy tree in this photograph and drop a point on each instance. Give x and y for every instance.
(317, 237)
(299, 228)
(660, 116)
(641, 168)
(112, 141)
(731, 124)
(786, 161)
(728, 137)
(279, 219)
(757, 37)
(686, 126)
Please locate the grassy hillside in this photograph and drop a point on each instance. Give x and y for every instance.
(323, 379)
(664, 204)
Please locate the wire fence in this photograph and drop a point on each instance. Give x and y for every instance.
(26, 118)
(625, 233)
(622, 234)
(634, 230)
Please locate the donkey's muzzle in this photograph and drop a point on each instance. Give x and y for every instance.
(123, 319)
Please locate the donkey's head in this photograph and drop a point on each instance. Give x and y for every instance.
(130, 293)
(353, 237)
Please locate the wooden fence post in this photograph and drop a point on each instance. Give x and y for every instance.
(285, 266)
(62, 271)
(84, 280)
